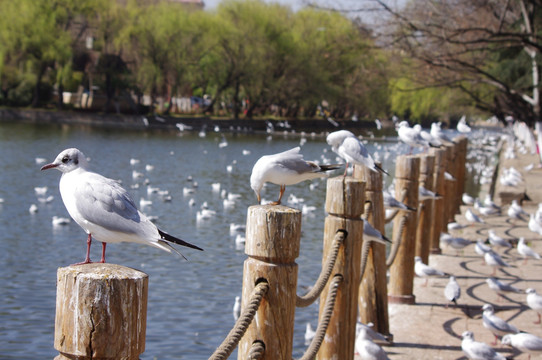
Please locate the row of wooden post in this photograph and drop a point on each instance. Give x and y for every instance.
(98, 305)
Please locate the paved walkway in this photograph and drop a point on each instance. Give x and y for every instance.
(431, 330)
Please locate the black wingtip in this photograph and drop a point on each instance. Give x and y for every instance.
(177, 241)
(380, 168)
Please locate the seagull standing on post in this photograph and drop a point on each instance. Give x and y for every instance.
(347, 146)
(104, 209)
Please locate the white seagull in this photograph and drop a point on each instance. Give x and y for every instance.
(472, 217)
(496, 240)
(452, 291)
(367, 349)
(351, 149)
(524, 342)
(495, 324)
(285, 168)
(525, 251)
(501, 288)
(372, 234)
(478, 350)
(462, 126)
(534, 301)
(103, 208)
(494, 260)
(425, 271)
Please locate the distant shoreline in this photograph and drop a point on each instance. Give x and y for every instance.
(169, 123)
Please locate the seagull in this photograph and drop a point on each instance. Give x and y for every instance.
(481, 248)
(534, 301)
(462, 126)
(496, 240)
(467, 199)
(369, 332)
(409, 136)
(495, 324)
(309, 333)
(452, 291)
(472, 217)
(526, 251)
(515, 211)
(478, 350)
(425, 271)
(458, 243)
(494, 260)
(103, 208)
(367, 349)
(351, 149)
(501, 288)
(424, 194)
(524, 342)
(236, 308)
(393, 203)
(437, 133)
(285, 168)
(372, 234)
(534, 225)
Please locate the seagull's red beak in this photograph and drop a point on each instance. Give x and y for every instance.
(49, 166)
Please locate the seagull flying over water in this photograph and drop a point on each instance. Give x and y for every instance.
(103, 208)
(285, 168)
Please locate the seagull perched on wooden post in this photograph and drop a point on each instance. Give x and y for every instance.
(104, 209)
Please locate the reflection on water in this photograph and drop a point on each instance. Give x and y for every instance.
(189, 309)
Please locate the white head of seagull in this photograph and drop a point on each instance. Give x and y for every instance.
(103, 208)
(285, 168)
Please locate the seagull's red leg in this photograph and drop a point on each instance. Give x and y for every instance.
(103, 252)
(87, 258)
(282, 189)
(345, 169)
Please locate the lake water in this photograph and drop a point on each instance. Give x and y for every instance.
(190, 302)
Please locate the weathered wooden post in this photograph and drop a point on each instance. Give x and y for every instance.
(425, 208)
(461, 160)
(373, 292)
(272, 244)
(438, 204)
(101, 312)
(407, 172)
(344, 204)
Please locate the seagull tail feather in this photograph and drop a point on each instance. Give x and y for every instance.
(177, 241)
(380, 168)
(329, 167)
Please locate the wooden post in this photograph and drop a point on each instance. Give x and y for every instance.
(272, 245)
(449, 187)
(438, 204)
(373, 292)
(461, 160)
(101, 312)
(344, 204)
(407, 172)
(425, 208)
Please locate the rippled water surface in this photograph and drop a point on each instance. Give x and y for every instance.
(190, 302)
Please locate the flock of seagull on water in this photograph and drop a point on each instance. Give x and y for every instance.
(107, 213)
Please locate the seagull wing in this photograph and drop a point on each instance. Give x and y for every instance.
(354, 151)
(104, 202)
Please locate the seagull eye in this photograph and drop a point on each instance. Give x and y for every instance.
(65, 159)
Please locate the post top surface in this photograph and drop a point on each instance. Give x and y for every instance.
(103, 270)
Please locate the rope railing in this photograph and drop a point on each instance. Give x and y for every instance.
(396, 243)
(316, 290)
(316, 342)
(256, 350)
(236, 333)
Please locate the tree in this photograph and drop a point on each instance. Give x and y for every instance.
(488, 49)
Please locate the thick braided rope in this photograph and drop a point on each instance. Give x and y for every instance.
(256, 350)
(316, 290)
(324, 321)
(396, 242)
(236, 333)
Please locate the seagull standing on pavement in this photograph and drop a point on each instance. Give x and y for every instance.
(285, 168)
(525, 251)
(478, 350)
(495, 324)
(351, 149)
(425, 271)
(524, 342)
(471, 217)
(501, 288)
(534, 301)
(452, 291)
(494, 260)
(104, 209)
(496, 240)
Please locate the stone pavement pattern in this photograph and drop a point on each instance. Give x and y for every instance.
(431, 330)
